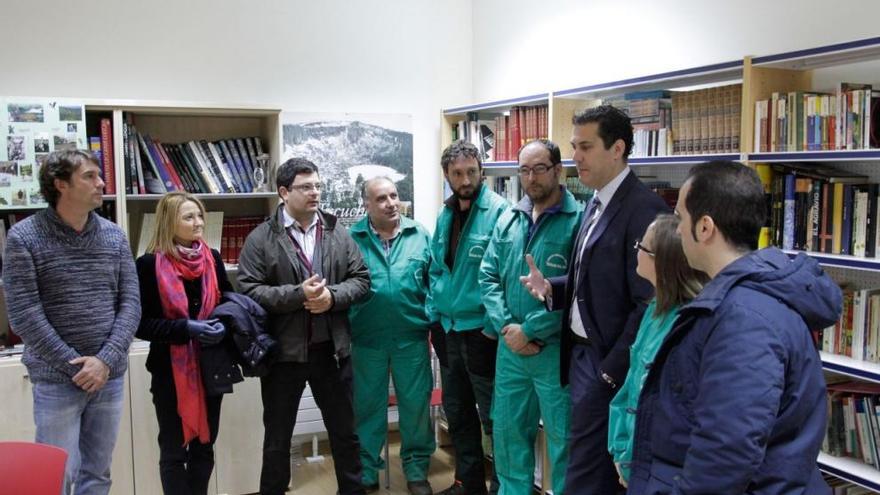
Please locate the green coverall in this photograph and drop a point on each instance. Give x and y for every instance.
(527, 388)
(390, 331)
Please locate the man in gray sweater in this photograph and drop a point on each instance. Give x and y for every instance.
(72, 296)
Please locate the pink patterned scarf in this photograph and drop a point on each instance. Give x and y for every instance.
(171, 271)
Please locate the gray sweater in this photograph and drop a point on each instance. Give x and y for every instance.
(70, 294)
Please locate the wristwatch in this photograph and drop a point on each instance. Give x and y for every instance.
(608, 379)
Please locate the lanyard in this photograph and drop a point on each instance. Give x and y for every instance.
(316, 254)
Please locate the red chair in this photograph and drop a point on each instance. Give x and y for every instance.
(31, 468)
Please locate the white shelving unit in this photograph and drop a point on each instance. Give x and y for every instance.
(819, 69)
(850, 470)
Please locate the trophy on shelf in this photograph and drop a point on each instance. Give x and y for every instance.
(260, 172)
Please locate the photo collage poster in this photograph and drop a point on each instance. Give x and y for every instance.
(348, 149)
(30, 129)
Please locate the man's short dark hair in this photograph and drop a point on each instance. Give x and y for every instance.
(61, 165)
(550, 146)
(613, 123)
(732, 195)
(457, 150)
(288, 171)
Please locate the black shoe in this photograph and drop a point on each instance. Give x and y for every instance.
(456, 489)
(420, 487)
(371, 488)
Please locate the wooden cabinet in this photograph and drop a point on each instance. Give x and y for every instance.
(16, 411)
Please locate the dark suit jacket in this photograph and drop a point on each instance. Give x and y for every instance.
(611, 296)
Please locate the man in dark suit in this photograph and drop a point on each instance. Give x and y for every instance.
(602, 297)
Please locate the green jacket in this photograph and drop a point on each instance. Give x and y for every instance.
(622, 412)
(455, 295)
(505, 298)
(394, 310)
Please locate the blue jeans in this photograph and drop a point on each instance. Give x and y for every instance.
(85, 425)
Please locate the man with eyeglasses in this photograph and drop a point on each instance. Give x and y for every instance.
(305, 269)
(602, 296)
(527, 387)
(466, 354)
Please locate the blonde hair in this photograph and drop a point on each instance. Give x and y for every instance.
(167, 213)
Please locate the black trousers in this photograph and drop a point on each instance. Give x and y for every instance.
(331, 387)
(590, 466)
(468, 381)
(183, 469)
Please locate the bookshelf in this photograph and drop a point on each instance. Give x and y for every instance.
(566, 102)
(562, 104)
(174, 122)
(136, 455)
(180, 122)
(848, 366)
(819, 70)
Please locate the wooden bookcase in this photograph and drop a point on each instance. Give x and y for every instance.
(135, 463)
(174, 122)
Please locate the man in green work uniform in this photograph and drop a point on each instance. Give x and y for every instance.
(390, 331)
(527, 386)
(467, 366)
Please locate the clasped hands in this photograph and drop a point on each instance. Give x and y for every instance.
(517, 340)
(318, 297)
(208, 332)
(539, 288)
(93, 375)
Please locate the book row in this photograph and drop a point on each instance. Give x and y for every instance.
(842, 487)
(652, 120)
(853, 428)
(199, 166)
(819, 209)
(500, 138)
(809, 121)
(856, 333)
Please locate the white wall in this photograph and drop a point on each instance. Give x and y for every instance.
(393, 56)
(523, 47)
(385, 56)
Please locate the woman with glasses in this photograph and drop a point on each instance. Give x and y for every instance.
(661, 261)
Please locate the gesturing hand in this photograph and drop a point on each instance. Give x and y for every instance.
(538, 286)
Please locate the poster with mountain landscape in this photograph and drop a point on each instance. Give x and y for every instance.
(349, 149)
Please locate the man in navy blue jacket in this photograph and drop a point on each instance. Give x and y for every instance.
(735, 400)
(602, 297)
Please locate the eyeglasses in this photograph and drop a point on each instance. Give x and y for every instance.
(536, 170)
(307, 188)
(638, 246)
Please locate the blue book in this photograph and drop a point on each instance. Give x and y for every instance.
(234, 170)
(239, 163)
